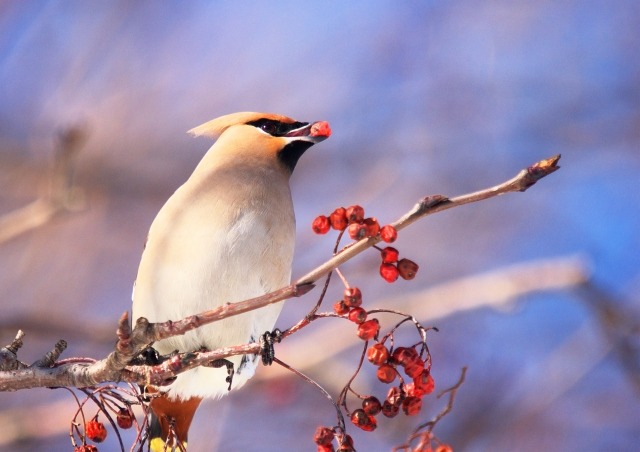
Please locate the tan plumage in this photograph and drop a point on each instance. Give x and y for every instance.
(226, 235)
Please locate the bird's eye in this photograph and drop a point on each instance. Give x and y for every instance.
(269, 127)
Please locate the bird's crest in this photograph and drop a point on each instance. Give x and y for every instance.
(215, 127)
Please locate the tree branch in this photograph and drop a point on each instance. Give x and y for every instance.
(80, 373)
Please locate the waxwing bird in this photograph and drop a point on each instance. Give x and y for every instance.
(226, 235)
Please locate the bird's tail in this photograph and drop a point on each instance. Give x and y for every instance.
(169, 423)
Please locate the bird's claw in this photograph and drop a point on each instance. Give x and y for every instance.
(267, 340)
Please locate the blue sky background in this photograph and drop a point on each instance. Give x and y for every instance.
(423, 97)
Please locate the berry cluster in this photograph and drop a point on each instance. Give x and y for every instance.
(109, 399)
(350, 305)
(406, 396)
(352, 220)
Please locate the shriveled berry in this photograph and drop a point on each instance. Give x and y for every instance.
(395, 396)
(373, 227)
(407, 269)
(377, 354)
(357, 231)
(388, 233)
(402, 355)
(85, 448)
(369, 329)
(95, 431)
(389, 272)
(124, 418)
(357, 315)
(355, 214)
(323, 436)
(386, 373)
(389, 409)
(352, 297)
(340, 308)
(412, 405)
(371, 405)
(320, 225)
(423, 384)
(389, 255)
(338, 219)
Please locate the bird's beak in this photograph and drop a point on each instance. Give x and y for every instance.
(315, 132)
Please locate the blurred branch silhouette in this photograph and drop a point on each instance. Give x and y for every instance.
(61, 194)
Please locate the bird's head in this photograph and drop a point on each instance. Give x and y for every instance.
(265, 135)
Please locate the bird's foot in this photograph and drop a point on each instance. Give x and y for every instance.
(267, 351)
(230, 369)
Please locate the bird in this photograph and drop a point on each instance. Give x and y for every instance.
(226, 235)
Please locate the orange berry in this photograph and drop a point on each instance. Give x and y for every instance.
(402, 355)
(388, 233)
(325, 448)
(340, 308)
(362, 420)
(414, 367)
(368, 330)
(357, 315)
(377, 354)
(389, 272)
(386, 373)
(355, 214)
(338, 219)
(389, 409)
(323, 436)
(395, 396)
(320, 225)
(85, 448)
(352, 297)
(407, 269)
(95, 431)
(389, 255)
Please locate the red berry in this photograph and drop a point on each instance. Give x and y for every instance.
(347, 444)
(414, 367)
(340, 308)
(423, 384)
(355, 214)
(412, 405)
(95, 431)
(388, 233)
(124, 418)
(323, 436)
(357, 315)
(407, 269)
(389, 255)
(85, 448)
(320, 225)
(357, 231)
(325, 448)
(389, 409)
(389, 272)
(362, 420)
(369, 329)
(444, 448)
(386, 373)
(371, 405)
(352, 297)
(372, 226)
(338, 219)
(402, 355)
(377, 354)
